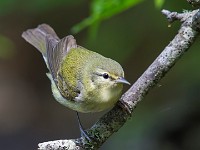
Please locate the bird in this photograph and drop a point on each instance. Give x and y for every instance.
(81, 79)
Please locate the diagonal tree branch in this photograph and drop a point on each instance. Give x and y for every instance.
(115, 119)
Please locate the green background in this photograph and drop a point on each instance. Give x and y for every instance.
(133, 32)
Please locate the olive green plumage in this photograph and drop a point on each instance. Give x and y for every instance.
(82, 80)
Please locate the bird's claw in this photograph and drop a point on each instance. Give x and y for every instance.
(125, 107)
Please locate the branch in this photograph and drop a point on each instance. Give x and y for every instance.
(194, 2)
(115, 119)
(59, 145)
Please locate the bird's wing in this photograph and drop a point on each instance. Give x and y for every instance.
(55, 55)
(37, 36)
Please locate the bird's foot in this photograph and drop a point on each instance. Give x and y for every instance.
(84, 134)
(125, 107)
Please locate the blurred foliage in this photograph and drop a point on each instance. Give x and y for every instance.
(42, 5)
(159, 3)
(36, 6)
(101, 10)
(6, 47)
(6, 6)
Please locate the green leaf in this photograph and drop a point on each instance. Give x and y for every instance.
(159, 3)
(102, 10)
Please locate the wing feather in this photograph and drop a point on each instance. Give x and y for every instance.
(55, 55)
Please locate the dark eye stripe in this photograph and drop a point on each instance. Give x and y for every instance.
(103, 75)
(98, 74)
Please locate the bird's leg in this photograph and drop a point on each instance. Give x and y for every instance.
(83, 133)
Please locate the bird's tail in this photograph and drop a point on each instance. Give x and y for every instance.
(37, 37)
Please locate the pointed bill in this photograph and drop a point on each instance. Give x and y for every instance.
(122, 80)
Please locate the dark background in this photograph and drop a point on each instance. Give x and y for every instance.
(167, 119)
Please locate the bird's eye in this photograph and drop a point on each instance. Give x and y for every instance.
(105, 76)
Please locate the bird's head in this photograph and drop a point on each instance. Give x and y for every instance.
(107, 74)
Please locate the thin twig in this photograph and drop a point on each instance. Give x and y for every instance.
(195, 3)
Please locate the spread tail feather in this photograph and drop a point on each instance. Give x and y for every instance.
(37, 37)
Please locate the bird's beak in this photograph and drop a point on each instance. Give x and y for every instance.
(122, 80)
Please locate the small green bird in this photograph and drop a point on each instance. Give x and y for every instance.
(82, 80)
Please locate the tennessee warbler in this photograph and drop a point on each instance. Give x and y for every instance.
(82, 80)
